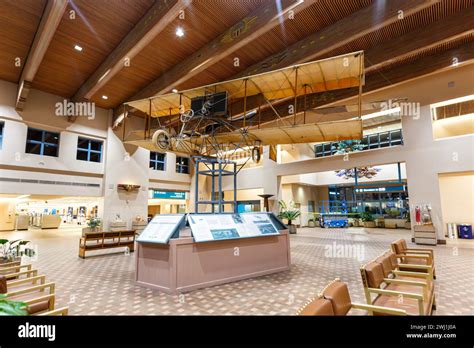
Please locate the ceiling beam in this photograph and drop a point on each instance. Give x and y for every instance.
(376, 81)
(158, 17)
(240, 34)
(444, 30)
(50, 20)
(365, 21)
(451, 28)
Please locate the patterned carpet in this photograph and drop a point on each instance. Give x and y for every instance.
(104, 284)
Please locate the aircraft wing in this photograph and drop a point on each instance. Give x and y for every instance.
(318, 76)
(297, 134)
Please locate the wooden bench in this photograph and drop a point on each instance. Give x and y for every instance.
(106, 240)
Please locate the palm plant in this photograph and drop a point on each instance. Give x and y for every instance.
(288, 211)
(8, 307)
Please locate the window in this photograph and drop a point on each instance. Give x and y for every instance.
(89, 150)
(41, 142)
(2, 124)
(157, 160)
(372, 141)
(182, 165)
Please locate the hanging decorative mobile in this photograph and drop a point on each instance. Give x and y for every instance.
(362, 172)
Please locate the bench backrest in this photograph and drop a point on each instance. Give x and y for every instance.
(109, 234)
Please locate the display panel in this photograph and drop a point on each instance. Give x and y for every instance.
(209, 227)
(161, 228)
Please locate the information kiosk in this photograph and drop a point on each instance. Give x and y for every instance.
(218, 249)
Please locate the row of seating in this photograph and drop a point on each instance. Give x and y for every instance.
(398, 282)
(24, 284)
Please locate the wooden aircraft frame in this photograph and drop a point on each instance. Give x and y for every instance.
(171, 124)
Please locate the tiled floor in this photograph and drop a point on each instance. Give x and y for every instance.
(104, 284)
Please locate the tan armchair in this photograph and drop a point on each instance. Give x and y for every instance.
(413, 256)
(415, 297)
(392, 267)
(336, 300)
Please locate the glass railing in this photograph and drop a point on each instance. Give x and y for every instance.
(368, 142)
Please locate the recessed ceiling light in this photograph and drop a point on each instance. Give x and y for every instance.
(78, 48)
(179, 32)
(105, 97)
(174, 90)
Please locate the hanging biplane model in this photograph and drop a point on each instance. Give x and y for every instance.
(220, 119)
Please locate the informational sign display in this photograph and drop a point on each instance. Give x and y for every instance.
(209, 227)
(161, 228)
(168, 195)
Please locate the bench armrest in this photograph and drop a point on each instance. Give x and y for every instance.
(404, 294)
(379, 309)
(60, 311)
(427, 276)
(396, 293)
(415, 256)
(15, 268)
(9, 264)
(32, 273)
(41, 278)
(31, 289)
(404, 282)
(427, 251)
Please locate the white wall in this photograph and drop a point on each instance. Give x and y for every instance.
(457, 197)
(39, 112)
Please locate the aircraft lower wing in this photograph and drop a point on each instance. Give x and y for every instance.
(297, 134)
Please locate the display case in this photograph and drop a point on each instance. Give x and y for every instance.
(169, 261)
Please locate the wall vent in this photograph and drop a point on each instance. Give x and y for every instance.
(49, 182)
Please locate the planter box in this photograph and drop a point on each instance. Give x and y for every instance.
(395, 223)
(292, 229)
(369, 224)
(407, 225)
(86, 230)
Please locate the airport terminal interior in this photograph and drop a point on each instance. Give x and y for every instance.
(251, 157)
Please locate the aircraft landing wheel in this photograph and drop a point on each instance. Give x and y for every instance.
(161, 140)
(256, 154)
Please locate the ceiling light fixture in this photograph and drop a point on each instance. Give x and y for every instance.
(78, 48)
(179, 32)
(105, 97)
(174, 90)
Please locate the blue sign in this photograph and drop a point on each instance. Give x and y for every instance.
(360, 189)
(169, 195)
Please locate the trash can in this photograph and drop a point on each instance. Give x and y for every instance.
(452, 231)
(465, 231)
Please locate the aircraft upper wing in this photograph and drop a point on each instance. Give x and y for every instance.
(327, 74)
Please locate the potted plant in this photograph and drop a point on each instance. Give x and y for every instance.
(407, 220)
(290, 213)
(8, 307)
(368, 219)
(394, 219)
(12, 250)
(355, 219)
(314, 220)
(93, 225)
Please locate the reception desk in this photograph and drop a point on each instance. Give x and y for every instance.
(184, 265)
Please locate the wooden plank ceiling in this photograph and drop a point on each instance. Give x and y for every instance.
(19, 21)
(101, 25)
